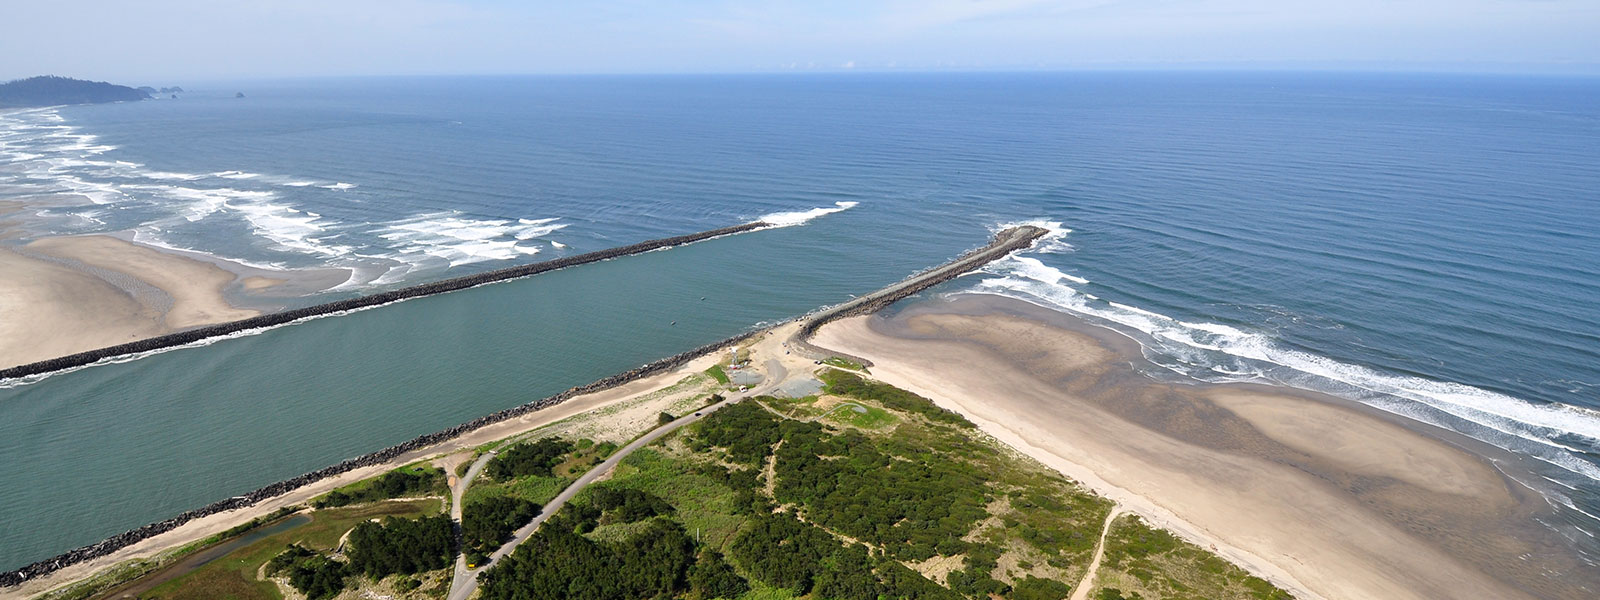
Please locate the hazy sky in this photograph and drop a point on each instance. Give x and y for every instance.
(153, 41)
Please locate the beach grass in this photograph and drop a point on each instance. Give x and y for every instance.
(1154, 563)
(804, 407)
(866, 417)
(844, 363)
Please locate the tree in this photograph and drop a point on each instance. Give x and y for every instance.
(529, 458)
(402, 546)
(488, 523)
(1034, 588)
(712, 577)
(315, 575)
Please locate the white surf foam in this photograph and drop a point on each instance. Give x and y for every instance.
(1224, 352)
(791, 219)
(341, 186)
(289, 228)
(459, 240)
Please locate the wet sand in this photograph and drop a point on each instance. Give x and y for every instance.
(63, 295)
(1324, 497)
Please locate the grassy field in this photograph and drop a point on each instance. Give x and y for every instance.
(718, 374)
(705, 505)
(234, 576)
(861, 417)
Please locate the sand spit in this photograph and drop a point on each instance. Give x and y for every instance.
(260, 321)
(1320, 496)
(67, 295)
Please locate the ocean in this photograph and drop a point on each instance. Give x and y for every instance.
(1425, 244)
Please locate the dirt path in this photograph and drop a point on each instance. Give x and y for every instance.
(1081, 591)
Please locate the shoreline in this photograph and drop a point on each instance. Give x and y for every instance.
(1001, 245)
(271, 319)
(1320, 495)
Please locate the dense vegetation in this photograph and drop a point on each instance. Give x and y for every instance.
(488, 523)
(402, 546)
(315, 575)
(558, 563)
(529, 458)
(784, 552)
(49, 90)
(402, 482)
(786, 508)
(626, 505)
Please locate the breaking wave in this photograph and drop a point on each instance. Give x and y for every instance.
(801, 217)
(182, 211)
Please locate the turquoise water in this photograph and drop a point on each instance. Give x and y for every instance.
(1423, 244)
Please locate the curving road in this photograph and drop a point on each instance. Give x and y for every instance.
(466, 580)
(457, 494)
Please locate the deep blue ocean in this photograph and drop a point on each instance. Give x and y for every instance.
(1426, 244)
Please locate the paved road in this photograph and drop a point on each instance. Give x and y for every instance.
(466, 581)
(456, 494)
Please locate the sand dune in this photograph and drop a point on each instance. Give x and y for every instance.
(1323, 499)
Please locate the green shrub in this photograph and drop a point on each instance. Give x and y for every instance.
(488, 523)
(315, 575)
(405, 546)
(529, 458)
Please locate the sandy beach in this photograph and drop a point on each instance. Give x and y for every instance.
(1325, 498)
(63, 295)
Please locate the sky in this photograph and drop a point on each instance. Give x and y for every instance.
(155, 41)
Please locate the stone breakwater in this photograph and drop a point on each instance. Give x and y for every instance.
(128, 538)
(1005, 242)
(427, 289)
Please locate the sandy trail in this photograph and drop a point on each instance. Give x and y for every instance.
(1081, 591)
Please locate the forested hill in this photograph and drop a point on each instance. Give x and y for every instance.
(49, 90)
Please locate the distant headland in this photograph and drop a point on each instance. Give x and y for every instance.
(50, 90)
